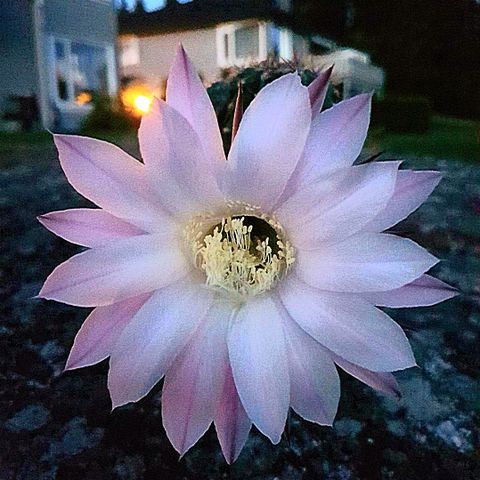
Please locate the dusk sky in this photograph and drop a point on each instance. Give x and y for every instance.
(154, 4)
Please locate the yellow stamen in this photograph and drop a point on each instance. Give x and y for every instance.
(235, 259)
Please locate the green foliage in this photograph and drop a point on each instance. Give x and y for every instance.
(252, 79)
(402, 113)
(447, 138)
(107, 115)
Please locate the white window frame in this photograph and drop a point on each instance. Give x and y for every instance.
(228, 30)
(285, 51)
(112, 83)
(129, 55)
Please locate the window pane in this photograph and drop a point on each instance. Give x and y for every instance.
(246, 42)
(89, 71)
(61, 70)
(225, 44)
(59, 50)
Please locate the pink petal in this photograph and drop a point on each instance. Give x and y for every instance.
(95, 340)
(87, 226)
(422, 292)
(382, 381)
(411, 190)
(269, 143)
(365, 262)
(194, 384)
(110, 178)
(153, 338)
(238, 111)
(231, 420)
(314, 381)
(259, 363)
(316, 215)
(317, 90)
(187, 95)
(336, 138)
(349, 326)
(183, 177)
(120, 270)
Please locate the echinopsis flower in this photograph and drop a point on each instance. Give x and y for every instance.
(241, 281)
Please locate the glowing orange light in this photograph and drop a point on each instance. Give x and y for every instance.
(137, 99)
(142, 103)
(83, 98)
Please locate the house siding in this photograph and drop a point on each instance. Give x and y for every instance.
(28, 29)
(92, 20)
(86, 21)
(156, 54)
(18, 74)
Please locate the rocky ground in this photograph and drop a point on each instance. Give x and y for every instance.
(56, 425)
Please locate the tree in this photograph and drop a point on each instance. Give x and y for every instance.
(327, 17)
(139, 7)
(430, 47)
(427, 47)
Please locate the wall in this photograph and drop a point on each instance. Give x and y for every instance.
(17, 68)
(156, 54)
(94, 20)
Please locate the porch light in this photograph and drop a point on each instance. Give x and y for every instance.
(142, 104)
(137, 99)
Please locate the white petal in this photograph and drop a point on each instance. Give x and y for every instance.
(314, 381)
(258, 357)
(269, 143)
(110, 178)
(422, 292)
(120, 270)
(153, 338)
(318, 214)
(96, 338)
(336, 138)
(294, 200)
(366, 262)
(349, 326)
(187, 95)
(181, 174)
(411, 190)
(194, 384)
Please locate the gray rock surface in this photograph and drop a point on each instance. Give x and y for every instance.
(57, 425)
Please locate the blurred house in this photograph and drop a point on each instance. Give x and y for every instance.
(220, 34)
(55, 55)
(353, 71)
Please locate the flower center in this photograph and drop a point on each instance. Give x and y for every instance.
(243, 254)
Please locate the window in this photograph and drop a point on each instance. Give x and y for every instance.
(225, 44)
(241, 43)
(89, 72)
(61, 71)
(81, 70)
(129, 51)
(246, 42)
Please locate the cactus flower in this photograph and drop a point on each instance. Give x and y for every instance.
(242, 281)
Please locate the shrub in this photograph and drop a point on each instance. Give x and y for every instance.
(107, 115)
(402, 114)
(224, 93)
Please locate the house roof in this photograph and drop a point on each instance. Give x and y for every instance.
(197, 14)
